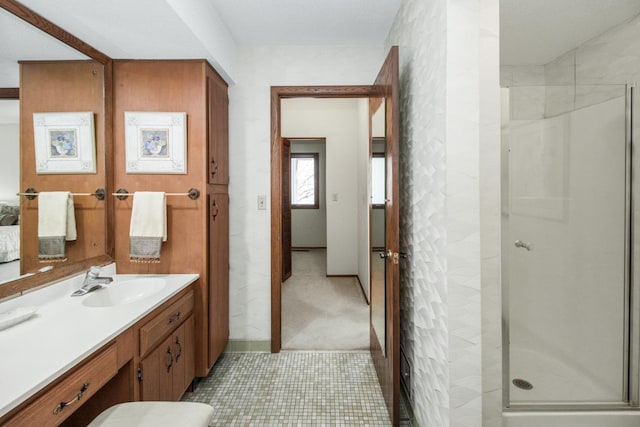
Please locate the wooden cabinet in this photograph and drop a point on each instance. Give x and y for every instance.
(218, 130)
(58, 403)
(167, 350)
(218, 271)
(193, 87)
(218, 215)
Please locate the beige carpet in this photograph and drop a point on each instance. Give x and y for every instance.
(319, 312)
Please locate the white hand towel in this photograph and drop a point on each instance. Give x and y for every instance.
(148, 227)
(56, 224)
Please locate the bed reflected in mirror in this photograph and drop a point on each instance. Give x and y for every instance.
(9, 186)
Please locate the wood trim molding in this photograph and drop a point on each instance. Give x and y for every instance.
(39, 21)
(9, 93)
(278, 93)
(321, 91)
(44, 278)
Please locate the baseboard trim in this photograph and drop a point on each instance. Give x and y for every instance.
(245, 346)
(341, 275)
(364, 294)
(306, 248)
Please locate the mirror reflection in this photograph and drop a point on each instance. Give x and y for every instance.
(9, 186)
(53, 77)
(377, 221)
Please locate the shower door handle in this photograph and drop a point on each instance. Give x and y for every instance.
(521, 244)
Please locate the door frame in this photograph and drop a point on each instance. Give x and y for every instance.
(277, 94)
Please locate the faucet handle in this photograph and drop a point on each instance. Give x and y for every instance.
(94, 272)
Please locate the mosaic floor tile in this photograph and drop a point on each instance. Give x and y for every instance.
(293, 389)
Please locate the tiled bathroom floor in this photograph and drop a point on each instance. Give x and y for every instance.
(293, 389)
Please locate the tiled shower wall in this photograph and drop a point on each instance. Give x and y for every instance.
(578, 78)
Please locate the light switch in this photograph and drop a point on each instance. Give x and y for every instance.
(262, 202)
(334, 197)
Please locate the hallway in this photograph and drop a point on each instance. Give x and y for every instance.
(319, 312)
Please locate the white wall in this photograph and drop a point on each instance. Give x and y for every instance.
(10, 143)
(9, 161)
(444, 82)
(309, 226)
(420, 31)
(258, 69)
(338, 121)
(490, 218)
(463, 212)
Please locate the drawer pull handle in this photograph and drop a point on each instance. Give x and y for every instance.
(63, 405)
(169, 359)
(179, 352)
(174, 318)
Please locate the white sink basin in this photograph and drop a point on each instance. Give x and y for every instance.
(125, 292)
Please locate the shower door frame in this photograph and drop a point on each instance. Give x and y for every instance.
(631, 351)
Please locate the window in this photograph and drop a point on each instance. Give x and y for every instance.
(305, 181)
(378, 180)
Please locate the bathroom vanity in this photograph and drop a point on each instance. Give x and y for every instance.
(132, 340)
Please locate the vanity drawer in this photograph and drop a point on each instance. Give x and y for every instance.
(50, 408)
(164, 323)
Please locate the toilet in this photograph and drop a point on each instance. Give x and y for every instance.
(155, 414)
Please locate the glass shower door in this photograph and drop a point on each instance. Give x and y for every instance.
(566, 249)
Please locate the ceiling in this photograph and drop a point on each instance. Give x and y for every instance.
(310, 22)
(20, 41)
(534, 32)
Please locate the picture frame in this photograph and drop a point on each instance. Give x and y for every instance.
(64, 143)
(156, 142)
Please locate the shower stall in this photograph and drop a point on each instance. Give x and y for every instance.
(570, 321)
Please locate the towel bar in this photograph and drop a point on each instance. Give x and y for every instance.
(31, 193)
(193, 194)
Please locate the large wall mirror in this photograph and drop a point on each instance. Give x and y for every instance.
(377, 222)
(39, 73)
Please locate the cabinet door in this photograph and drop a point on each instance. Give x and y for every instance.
(218, 130)
(183, 351)
(218, 274)
(157, 372)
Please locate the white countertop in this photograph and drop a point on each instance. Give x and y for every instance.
(64, 332)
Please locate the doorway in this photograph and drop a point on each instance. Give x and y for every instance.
(323, 306)
(279, 93)
(385, 87)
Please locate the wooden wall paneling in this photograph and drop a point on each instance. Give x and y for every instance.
(108, 157)
(62, 86)
(167, 86)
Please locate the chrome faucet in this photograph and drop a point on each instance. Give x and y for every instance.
(92, 282)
